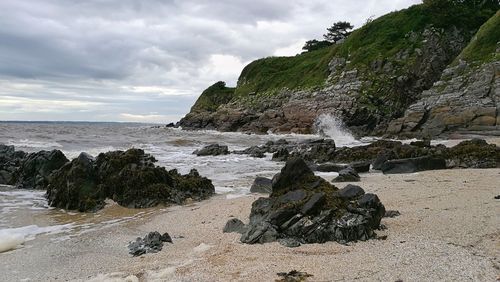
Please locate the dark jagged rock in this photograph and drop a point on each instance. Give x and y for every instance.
(307, 209)
(350, 192)
(10, 161)
(261, 185)
(128, 177)
(36, 168)
(475, 153)
(293, 276)
(212, 150)
(234, 225)
(151, 243)
(347, 175)
(411, 165)
(254, 151)
(281, 155)
(392, 213)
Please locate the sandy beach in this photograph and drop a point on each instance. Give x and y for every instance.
(448, 230)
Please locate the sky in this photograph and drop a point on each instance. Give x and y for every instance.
(147, 61)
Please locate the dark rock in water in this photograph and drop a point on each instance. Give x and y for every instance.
(130, 178)
(10, 161)
(413, 165)
(151, 243)
(234, 225)
(261, 185)
(254, 151)
(293, 276)
(170, 125)
(391, 213)
(421, 143)
(281, 155)
(307, 209)
(347, 175)
(36, 168)
(212, 150)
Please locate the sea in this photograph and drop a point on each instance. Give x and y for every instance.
(25, 214)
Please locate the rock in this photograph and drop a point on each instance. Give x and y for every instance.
(329, 167)
(36, 167)
(293, 276)
(10, 161)
(289, 242)
(350, 192)
(234, 225)
(497, 197)
(281, 155)
(254, 151)
(347, 175)
(361, 167)
(130, 178)
(411, 165)
(391, 213)
(261, 185)
(304, 208)
(212, 150)
(475, 153)
(151, 243)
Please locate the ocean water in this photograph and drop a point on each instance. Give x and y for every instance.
(25, 215)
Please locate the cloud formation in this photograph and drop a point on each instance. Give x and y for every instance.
(132, 60)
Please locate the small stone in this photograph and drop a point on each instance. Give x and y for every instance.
(391, 213)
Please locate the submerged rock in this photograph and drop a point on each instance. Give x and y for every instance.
(151, 243)
(307, 209)
(130, 178)
(212, 150)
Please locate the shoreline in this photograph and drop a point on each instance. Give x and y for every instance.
(448, 229)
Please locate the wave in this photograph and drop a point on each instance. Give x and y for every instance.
(27, 143)
(12, 238)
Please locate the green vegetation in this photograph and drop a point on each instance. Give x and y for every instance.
(313, 45)
(302, 71)
(214, 96)
(482, 48)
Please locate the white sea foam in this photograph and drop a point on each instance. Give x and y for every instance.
(28, 143)
(11, 238)
(334, 128)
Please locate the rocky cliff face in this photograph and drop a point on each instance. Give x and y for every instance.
(368, 81)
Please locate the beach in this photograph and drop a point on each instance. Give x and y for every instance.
(447, 231)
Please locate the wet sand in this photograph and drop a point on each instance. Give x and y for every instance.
(448, 231)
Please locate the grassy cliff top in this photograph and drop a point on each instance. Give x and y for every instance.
(214, 96)
(483, 46)
(380, 38)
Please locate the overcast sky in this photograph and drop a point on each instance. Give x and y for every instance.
(147, 61)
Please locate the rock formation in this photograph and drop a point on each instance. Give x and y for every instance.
(304, 208)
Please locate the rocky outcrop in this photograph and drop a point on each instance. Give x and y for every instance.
(10, 161)
(130, 178)
(367, 81)
(347, 174)
(261, 185)
(212, 150)
(304, 208)
(35, 169)
(151, 243)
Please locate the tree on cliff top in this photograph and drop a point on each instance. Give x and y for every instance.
(338, 31)
(314, 44)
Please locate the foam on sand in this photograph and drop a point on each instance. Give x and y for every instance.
(12, 238)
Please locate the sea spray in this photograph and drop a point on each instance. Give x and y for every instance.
(333, 127)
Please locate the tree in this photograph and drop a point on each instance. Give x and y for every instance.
(314, 44)
(338, 31)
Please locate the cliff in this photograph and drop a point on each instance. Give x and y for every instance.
(372, 80)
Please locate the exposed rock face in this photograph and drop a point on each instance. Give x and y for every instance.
(212, 150)
(261, 185)
(36, 167)
(305, 208)
(130, 178)
(349, 92)
(466, 99)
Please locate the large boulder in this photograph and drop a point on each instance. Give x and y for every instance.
(305, 208)
(261, 185)
(348, 174)
(212, 150)
(128, 177)
(36, 167)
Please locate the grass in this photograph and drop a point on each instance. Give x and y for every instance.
(214, 96)
(482, 48)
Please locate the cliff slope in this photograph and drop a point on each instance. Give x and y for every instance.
(368, 80)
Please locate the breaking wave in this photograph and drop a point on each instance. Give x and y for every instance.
(331, 126)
